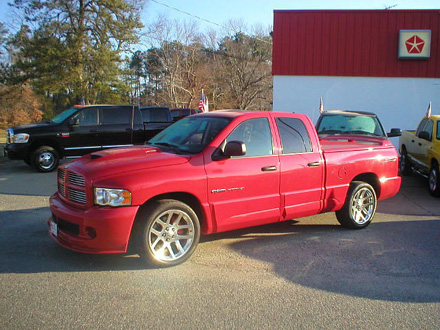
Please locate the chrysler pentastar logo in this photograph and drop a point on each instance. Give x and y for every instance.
(414, 45)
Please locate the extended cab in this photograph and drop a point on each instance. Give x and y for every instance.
(215, 172)
(81, 130)
(420, 151)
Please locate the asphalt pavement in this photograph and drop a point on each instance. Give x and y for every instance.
(305, 274)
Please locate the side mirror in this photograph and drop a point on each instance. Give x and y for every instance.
(231, 149)
(394, 132)
(234, 148)
(425, 136)
(74, 122)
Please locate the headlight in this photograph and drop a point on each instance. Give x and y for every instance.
(20, 138)
(112, 197)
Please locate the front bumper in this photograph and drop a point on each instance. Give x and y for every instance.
(97, 230)
(16, 151)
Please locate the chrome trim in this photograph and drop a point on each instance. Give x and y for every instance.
(99, 147)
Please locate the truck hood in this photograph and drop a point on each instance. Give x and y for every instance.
(120, 160)
(32, 126)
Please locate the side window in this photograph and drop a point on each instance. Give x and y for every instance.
(438, 130)
(294, 135)
(428, 128)
(87, 117)
(115, 116)
(421, 126)
(257, 136)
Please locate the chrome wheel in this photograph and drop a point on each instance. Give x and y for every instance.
(46, 160)
(363, 206)
(433, 181)
(360, 206)
(171, 235)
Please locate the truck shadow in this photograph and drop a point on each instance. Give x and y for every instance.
(391, 261)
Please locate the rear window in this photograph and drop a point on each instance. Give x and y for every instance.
(294, 135)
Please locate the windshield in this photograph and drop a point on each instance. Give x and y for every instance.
(190, 134)
(64, 115)
(349, 124)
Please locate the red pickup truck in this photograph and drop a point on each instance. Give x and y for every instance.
(214, 172)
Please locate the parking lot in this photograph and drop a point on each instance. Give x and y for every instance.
(310, 273)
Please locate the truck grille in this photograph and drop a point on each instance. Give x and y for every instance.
(72, 186)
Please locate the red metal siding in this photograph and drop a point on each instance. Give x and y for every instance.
(351, 43)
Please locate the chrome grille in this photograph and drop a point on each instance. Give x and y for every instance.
(76, 179)
(76, 195)
(61, 174)
(62, 189)
(71, 186)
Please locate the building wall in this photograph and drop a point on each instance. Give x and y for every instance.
(399, 102)
(350, 58)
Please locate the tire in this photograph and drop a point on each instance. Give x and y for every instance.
(45, 159)
(360, 206)
(404, 164)
(169, 233)
(434, 180)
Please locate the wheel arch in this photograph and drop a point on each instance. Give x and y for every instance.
(187, 198)
(370, 178)
(46, 142)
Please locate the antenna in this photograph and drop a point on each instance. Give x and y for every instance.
(390, 7)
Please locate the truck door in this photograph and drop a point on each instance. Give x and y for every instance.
(83, 136)
(302, 170)
(244, 191)
(115, 126)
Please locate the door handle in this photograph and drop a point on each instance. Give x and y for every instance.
(94, 130)
(313, 164)
(269, 168)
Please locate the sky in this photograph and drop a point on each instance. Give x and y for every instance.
(250, 12)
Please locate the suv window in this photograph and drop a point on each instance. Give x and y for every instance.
(115, 115)
(294, 135)
(257, 136)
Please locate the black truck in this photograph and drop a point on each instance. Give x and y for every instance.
(81, 130)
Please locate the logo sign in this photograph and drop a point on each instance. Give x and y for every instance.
(414, 44)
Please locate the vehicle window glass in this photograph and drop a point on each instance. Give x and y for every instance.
(154, 115)
(185, 112)
(64, 115)
(256, 135)
(350, 124)
(294, 135)
(115, 115)
(87, 117)
(438, 130)
(421, 126)
(428, 128)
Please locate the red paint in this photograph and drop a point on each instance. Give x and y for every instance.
(351, 43)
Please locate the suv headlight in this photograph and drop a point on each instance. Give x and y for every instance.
(20, 138)
(112, 197)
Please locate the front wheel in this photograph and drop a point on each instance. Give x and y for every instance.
(170, 233)
(360, 206)
(404, 165)
(45, 159)
(434, 180)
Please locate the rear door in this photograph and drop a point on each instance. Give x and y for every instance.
(302, 169)
(244, 191)
(115, 128)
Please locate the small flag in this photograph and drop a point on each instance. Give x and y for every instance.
(203, 104)
(321, 106)
(428, 111)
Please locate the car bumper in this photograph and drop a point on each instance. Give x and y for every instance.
(389, 187)
(97, 230)
(16, 151)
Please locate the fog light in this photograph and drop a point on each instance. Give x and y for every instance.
(91, 232)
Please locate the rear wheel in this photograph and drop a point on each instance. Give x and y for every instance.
(434, 180)
(45, 159)
(404, 165)
(170, 232)
(360, 206)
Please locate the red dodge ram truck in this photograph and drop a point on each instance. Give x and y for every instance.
(214, 172)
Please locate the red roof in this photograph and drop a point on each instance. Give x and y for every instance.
(351, 43)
